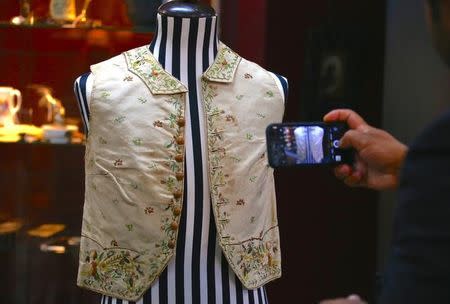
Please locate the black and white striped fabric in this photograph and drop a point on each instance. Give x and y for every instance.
(199, 273)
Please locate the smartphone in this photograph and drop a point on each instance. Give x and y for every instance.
(306, 144)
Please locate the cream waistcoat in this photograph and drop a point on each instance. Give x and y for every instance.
(134, 171)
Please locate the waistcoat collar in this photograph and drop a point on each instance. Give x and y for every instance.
(143, 64)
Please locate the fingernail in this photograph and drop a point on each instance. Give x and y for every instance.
(354, 298)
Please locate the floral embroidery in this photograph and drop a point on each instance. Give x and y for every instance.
(102, 141)
(170, 183)
(142, 100)
(104, 270)
(104, 95)
(153, 166)
(248, 76)
(134, 185)
(230, 118)
(120, 119)
(224, 67)
(149, 210)
(260, 115)
(142, 63)
(129, 227)
(249, 136)
(217, 154)
(128, 78)
(115, 201)
(240, 202)
(239, 97)
(114, 243)
(269, 94)
(236, 159)
(118, 163)
(253, 179)
(259, 257)
(138, 141)
(252, 219)
(158, 124)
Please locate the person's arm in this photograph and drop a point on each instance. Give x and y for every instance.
(379, 156)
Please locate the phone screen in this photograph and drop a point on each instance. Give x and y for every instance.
(306, 144)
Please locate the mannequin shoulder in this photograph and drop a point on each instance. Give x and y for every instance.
(282, 84)
(83, 85)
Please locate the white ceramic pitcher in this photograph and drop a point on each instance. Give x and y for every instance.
(10, 103)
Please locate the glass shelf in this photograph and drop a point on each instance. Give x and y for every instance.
(137, 29)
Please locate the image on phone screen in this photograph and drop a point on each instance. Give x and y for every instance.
(305, 144)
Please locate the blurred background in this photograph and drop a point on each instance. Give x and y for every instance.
(373, 56)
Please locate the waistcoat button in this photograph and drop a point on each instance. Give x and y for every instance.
(180, 176)
(177, 194)
(181, 122)
(174, 226)
(179, 158)
(180, 140)
(176, 211)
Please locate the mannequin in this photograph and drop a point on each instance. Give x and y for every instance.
(186, 44)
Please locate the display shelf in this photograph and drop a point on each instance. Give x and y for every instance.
(42, 182)
(135, 29)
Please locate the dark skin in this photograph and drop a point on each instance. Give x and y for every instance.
(379, 156)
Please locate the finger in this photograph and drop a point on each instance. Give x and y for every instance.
(354, 180)
(342, 171)
(354, 298)
(350, 117)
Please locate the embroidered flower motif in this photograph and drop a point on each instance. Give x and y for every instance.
(253, 179)
(153, 166)
(252, 219)
(114, 243)
(239, 97)
(158, 124)
(137, 141)
(105, 94)
(260, 115)
(126, 267)
(119, 119)
(128, 78)
(134, 185)
(230, 118)
(155, 73)
(102, 141)
(236, 159)
(170, 183)
(240, 202)
(262, 155)
(270, 94)
(129, 227)
(118, 163)
(149, 210)
(142, 63)
(115, 201)
(225, 65)
(249, 136)
(248, 76)
(142, 100)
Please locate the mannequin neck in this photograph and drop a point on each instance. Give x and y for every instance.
(177, 41)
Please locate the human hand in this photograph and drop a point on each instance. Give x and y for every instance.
(353, 299)
(379, 156)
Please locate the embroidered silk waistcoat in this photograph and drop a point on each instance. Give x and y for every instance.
(134, 171)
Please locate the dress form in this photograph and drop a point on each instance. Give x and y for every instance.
(185, 47)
